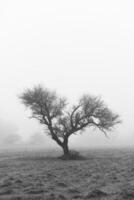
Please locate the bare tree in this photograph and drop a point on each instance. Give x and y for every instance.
(61, 121)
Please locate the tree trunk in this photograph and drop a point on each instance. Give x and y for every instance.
(65, 147)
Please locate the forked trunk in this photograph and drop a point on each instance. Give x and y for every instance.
(63, 145)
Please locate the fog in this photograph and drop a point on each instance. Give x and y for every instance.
(73, 47)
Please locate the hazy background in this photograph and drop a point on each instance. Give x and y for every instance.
(74, 47)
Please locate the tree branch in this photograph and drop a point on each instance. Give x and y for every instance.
(72, 114)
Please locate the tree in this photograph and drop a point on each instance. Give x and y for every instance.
(62, 121)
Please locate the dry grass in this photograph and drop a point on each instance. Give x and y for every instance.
(34, 175)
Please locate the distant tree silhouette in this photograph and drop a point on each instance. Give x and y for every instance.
(62, 121)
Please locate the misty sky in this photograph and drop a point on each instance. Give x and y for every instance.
(74, 47)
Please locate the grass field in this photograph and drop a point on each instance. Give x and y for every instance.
(105, 174)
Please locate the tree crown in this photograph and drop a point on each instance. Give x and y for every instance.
(61, 122)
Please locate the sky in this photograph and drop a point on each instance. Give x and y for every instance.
(73, 47)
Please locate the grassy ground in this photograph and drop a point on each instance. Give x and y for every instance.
(105, 174)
